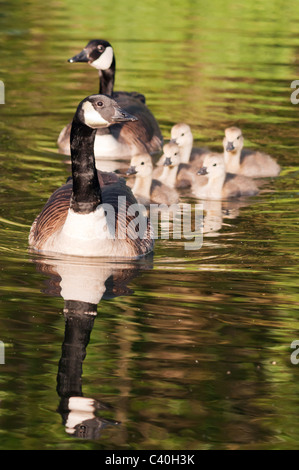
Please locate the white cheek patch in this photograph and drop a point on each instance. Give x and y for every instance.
(105, 60)
(92, 118)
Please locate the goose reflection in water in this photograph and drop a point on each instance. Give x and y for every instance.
(83, 283)
(217, 211)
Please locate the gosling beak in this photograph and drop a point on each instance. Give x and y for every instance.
(120, 116)
(167, 161)
(230, 147)
(131, 171)
(202, 171)
(81, 57)
(172, 141)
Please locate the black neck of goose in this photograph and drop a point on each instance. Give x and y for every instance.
(79, 321)
(86, 195)
(107, 80)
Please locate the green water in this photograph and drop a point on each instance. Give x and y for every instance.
(189, 350)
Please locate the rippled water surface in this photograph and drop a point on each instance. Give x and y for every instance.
(189, 349)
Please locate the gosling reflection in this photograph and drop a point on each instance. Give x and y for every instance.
(82, 287)
(213, 217)
(215, 213)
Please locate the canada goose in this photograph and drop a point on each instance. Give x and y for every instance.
(249, 163)
(146, 189)
(75, 220)
(218, 184)
(174, 173)
(123, 139)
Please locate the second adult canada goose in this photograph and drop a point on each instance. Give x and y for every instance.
(174, 173)
(146, 189)
(217, 184)
(83, 217)
(123, 139)
(253, 164)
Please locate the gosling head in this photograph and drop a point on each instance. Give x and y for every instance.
(141, 165)
(233, 140)
(98, 111)
(171, 154)
(213, 166)
(181, 134)
(98, 53)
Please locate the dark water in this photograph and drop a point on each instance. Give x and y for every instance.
(190, 349)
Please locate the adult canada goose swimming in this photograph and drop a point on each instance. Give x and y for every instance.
(146, 189)
(253, 164)
(123, 139)
(82, 217)
(174, 173)
(217, 184)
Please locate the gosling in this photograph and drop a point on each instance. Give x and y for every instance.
(212, 181)
(239, 161)
(181, 134)
(147, 189)
(174, 173)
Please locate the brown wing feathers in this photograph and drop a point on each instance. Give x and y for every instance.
(124, 229)
(52, 217)
(144, 132)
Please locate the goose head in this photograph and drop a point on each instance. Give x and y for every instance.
(171, 154)
(98, 53)
(182, 135)
(97, 111)
(141, 165)
(213, 166)
(233, 140)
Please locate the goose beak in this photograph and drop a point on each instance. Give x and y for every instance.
(167, 161)
(172, 141)
(202, 171)
(131, 171)
(120, 116)
(230, 147)
(81, 57)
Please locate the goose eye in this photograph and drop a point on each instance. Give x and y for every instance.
(215, 164)
(100, 48)
(142, 163)
(176, 153)
(182, 134)
(100, 104)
